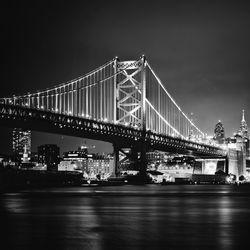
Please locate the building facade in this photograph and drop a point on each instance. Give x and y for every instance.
(90, 165)
(74, 161)
(102, 165)
(21, 139)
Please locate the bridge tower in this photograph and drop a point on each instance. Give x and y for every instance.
(130, 106)
(130, 93)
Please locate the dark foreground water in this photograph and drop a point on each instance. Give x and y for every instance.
(127, 217)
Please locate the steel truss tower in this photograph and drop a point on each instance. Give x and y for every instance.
(130, 88)
(130, 106)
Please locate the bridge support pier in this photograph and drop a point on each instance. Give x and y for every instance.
(210, 166)
(116, 159)
(237, 162)
(134, 157)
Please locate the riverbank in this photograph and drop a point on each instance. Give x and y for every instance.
(14, 180)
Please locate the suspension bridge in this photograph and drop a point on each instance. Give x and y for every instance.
(121, 102)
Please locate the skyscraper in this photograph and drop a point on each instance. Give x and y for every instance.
(219, 132)
(20, 139)
(243, 131)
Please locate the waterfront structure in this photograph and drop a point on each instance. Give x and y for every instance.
(7, 161)
(49, 154)
(75, 161)
(102, 165)
(89, 164)
(70, 166)
(21, 139)
(173, 171)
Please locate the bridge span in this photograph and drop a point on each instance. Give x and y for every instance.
(121, 102)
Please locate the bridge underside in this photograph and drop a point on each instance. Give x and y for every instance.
(57, 128)
(119, 135)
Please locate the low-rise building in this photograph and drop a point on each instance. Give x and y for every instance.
(88, 164)
(49, 154)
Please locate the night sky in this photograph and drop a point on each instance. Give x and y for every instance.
(199, 49)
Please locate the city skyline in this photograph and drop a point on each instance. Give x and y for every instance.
(200, 51)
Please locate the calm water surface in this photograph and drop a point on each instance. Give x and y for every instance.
(127, 217)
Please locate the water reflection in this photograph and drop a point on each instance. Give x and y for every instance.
(130, 217)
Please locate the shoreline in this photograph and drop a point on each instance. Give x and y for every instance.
(145, 190)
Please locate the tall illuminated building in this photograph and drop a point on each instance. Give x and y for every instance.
(219, 132)
(21, 141)
(243, 131)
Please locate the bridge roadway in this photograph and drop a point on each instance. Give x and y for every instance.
(124, 136)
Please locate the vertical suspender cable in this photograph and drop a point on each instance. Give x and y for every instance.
(101, 78)
(72, 98)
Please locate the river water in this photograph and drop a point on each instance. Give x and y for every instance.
(127, 217)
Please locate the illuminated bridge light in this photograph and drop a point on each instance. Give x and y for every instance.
(72, 99)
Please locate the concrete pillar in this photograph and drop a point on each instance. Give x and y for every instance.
(116, 159)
